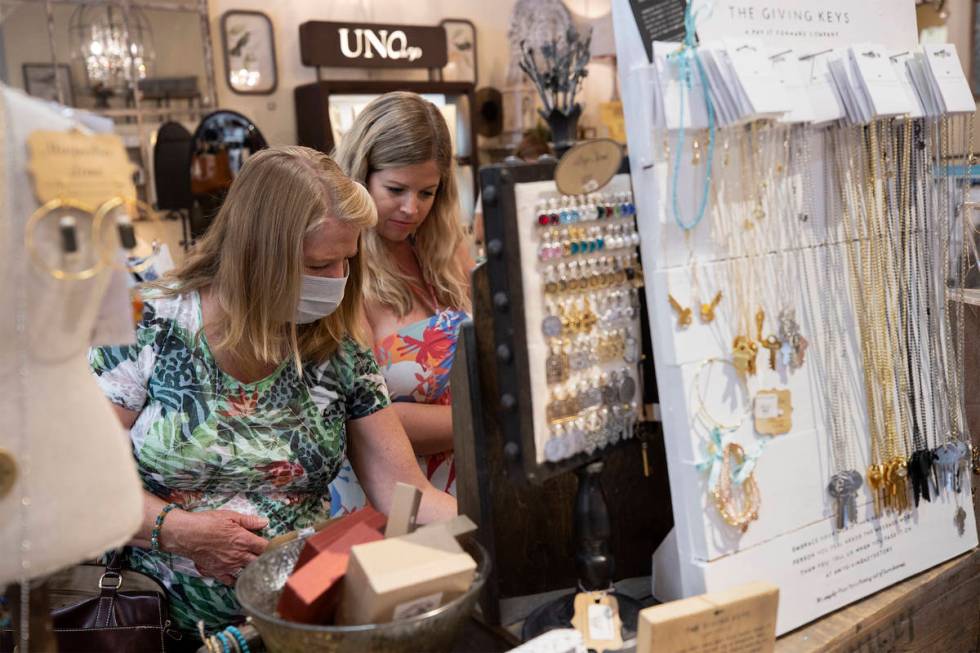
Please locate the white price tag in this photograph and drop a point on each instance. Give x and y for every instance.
(766, 406)
(601, 623)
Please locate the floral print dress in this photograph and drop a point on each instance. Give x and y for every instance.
(415, 361)
(207, 441)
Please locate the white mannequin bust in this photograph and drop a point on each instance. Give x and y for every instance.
(76, 492)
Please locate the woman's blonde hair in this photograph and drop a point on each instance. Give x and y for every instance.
(252, 256)
(401, 129)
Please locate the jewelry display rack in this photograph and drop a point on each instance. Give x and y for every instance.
(530, 511)
(793, 535)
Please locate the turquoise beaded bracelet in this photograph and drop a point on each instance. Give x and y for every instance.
(237, 634)
(155, 534)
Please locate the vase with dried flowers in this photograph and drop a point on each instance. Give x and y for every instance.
(557, 70)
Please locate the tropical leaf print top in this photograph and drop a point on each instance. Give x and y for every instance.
(207, 441)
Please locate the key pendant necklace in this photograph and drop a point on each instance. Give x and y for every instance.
(846, 481)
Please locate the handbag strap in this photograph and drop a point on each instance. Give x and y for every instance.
(109, 585)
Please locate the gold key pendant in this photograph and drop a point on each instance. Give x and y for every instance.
(773, 344)
(874, 484)
(708, 310)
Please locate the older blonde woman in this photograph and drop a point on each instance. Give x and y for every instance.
(250, 382)
(417, 287)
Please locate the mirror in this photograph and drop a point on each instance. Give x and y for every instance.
(220, 146)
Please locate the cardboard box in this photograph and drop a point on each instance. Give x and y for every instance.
(319, 542)
(312, 593)
(740, 619)
(402, 577)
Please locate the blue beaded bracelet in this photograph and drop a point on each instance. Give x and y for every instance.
(225, 646)
(237, 634)
(155, 534)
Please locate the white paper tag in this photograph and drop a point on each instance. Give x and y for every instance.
(788, 70)
(601, 624)
(760, 86)
(766, 406)
(904, 75)
(944, 65)
(878, 79)
(418, 606)
(824, 101)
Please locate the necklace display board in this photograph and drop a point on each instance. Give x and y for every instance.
(792, 449)
(504, 392)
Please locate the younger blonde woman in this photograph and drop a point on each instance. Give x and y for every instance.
(417, 285)
(250, 382)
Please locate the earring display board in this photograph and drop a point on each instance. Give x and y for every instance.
(803, 373)
(565, 276)
(531, 528)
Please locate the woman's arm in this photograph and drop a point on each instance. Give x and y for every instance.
(382, 455)
(429, 427)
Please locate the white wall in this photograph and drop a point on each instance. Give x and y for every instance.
(274, 114)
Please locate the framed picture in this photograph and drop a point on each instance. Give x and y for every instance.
(249, 47)
(461, 42)
(42, 80)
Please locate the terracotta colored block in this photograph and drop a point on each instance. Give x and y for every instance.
(319, 542)
(312, 593)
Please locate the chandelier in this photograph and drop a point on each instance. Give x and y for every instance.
(98, 39)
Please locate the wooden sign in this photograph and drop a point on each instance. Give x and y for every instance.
(740, 620)
(588, 166)
(372, 45)
(86, 168)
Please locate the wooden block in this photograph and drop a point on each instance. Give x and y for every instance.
(312, 593)
(739, 620)
(404, 509)
(321, 541)
(457, 526)
(401, 577)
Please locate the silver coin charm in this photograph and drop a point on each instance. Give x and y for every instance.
(551, 326)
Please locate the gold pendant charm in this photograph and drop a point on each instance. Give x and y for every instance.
(708, 310)
(743, 355)
(874, 484)
(683, 313)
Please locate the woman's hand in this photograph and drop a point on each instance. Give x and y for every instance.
(220, 542)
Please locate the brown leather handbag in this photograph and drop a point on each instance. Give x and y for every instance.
(114, 619)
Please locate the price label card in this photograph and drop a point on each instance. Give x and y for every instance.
(87, 168)
(773, 412)
(597, 619)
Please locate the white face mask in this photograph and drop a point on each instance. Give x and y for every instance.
(319, 297)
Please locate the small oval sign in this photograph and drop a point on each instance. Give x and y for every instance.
(588, 166)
